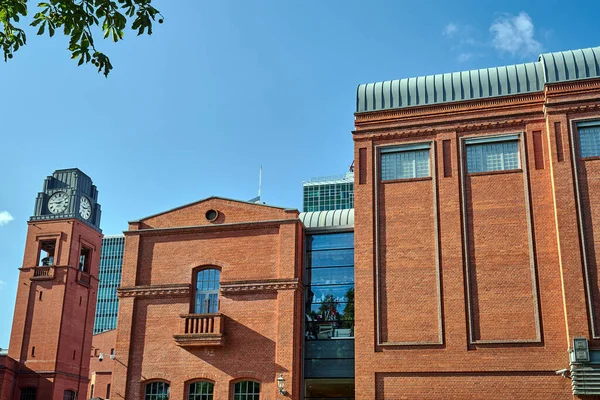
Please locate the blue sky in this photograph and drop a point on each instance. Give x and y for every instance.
(223, 87)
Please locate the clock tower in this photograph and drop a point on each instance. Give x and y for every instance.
(51, 336)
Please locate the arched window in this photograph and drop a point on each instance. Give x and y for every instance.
(201, 391)
(246, 390)
(207, 291)
(157, 391)
(69, 395)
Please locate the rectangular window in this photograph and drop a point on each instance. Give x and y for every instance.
(46, 254)
(28, 393)
(85, 259)
(589, 139)
(405, 162)
(499, 153)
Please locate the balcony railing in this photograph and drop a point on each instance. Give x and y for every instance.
(201, 330)
(83, 277)
(43, 273)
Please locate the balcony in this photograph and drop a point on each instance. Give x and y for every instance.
(45, 273)
(83, 278)
(200, 330)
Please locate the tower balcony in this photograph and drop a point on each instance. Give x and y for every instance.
(199, 330)
(44, 273)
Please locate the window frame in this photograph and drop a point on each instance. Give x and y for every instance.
(240, 381)
(492, 139)
(32, 395)
(71, 393)
(151, 382)
(579, 125)
(406, 148)
(195, 273)
(189, 383)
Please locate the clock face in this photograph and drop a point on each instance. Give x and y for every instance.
(58, 202)
(85, 208)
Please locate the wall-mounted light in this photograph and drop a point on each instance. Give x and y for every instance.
(101, 357)
(281, 385)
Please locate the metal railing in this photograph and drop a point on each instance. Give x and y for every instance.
(83, 277)
(39, 272)
(198, 324)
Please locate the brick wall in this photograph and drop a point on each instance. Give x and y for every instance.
(512, 282)
(257, 250)
(55, 315)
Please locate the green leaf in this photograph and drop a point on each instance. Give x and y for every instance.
(41, 30)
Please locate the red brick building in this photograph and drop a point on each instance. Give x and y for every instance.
(468, 268)
(475, 231)
(210, 303)
(48, 356)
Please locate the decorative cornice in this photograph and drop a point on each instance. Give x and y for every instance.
(571, 86)
(173, 290)
(575, 107)
(212, 228)
(269, 285)
(449, 108)
(462, 128)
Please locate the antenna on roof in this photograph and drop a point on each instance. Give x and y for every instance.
(259, 182)
(257, 198)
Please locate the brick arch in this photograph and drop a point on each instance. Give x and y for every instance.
(189, 378)
(248, 376)
(158, 378)
(208, 262)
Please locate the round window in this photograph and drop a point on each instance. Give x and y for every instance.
(211, 215)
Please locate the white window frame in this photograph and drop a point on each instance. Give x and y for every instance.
(491, 140)
(594, 142)
(406, 149)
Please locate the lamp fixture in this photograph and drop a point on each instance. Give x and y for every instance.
(281, 385)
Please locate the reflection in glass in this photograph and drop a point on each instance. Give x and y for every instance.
(331, 258)
(331, 276)
(336, 293)
(329, 241)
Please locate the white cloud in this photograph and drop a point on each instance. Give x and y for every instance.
(464, 57)
(5, 217)
(514, 34)
(450, 29)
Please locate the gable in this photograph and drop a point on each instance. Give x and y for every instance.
(203, 213)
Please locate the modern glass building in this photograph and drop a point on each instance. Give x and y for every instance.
(329, 305)
(111, 264)
(329, 193)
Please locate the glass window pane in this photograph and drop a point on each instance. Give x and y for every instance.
(589, 141)
(157, 391)
(330, 258)
(336, 368)
(488, 157)
(335, 293)
(330, 311)
(201, 391)
(331, 241)
(405, 165)
(335, 275)
(207, 291)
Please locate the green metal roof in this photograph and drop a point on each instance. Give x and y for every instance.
(480, 83)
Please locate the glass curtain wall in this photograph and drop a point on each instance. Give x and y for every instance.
(329, 316)
(111, 265)
(328, 196)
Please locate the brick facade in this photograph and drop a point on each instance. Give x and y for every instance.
(257, 332)
(54, 313)
(476, 278)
